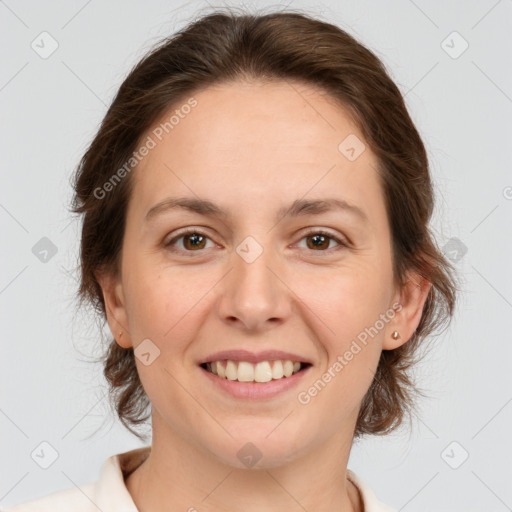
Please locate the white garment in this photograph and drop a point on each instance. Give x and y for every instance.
(109, 492)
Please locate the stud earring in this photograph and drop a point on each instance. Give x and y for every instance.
(120, 333)
(395, 335)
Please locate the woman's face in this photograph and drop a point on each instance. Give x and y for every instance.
(289, 250)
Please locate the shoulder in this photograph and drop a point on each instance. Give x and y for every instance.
(370, 501)
(72, 500)
(109, 492)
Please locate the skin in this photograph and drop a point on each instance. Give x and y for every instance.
(252, 148)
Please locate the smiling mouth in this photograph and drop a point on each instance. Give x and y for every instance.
(264, 371)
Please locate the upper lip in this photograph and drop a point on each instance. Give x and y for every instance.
(252, 357)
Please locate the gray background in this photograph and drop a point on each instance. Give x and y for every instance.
(50, 109)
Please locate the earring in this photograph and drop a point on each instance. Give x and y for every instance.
(395, 335)
(120, 333)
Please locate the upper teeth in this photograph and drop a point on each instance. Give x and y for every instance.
(264, 371)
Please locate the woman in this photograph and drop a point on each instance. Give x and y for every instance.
(256, 210)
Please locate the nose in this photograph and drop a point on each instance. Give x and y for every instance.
(254, 296)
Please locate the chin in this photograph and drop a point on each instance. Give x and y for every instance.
(255, 456)
(256, 447)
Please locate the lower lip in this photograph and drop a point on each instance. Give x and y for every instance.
(256, 390)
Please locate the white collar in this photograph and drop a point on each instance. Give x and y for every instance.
(112, 495)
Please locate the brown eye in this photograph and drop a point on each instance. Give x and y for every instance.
(318, 242)
(191, 241)
(195, 241)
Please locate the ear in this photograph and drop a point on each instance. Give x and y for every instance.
(112, 288)
(412, 298)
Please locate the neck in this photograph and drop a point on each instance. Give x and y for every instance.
(179, 476)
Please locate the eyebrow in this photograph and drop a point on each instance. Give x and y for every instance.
(298, 208)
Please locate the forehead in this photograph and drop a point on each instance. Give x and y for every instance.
(238, 116)
(271, 142)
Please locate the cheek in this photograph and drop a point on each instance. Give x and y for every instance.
(346, 300)
(348, 306)
(348, 330)
(165, 310)
(169, 306)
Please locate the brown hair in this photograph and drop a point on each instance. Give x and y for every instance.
(226, 46)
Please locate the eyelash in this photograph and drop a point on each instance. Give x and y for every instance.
(342, 243)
